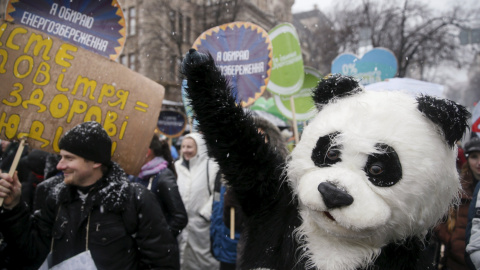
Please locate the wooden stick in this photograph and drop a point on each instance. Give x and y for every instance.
(232, 223)
(14, 165)
(294, 119)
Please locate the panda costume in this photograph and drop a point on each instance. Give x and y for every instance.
(371, 175)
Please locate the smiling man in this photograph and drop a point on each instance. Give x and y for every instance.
(94, 216)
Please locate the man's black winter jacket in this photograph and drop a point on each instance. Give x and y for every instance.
(126, 227)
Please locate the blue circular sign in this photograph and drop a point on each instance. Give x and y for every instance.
(243, 52)
(171, 123)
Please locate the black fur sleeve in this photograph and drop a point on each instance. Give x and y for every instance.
(248, 163)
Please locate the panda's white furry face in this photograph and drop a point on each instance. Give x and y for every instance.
(369, 169)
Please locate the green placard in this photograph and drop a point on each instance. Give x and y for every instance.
(287, 73)
(304, 105)
(267, 105)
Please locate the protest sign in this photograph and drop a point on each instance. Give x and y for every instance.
(243, 52)
(303, 102)
(376, 65)
(268, 105)
(48, 86)
(475, 126)
(95, 25)
(287, 72)
(171, 123)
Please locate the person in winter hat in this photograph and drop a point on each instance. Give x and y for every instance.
(196, 179)
(93, 218)
(471, 172)
(452, 232)
(159, 176)
(88, 140)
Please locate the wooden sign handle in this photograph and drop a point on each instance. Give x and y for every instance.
(294, 119)
(232, 223)
(14, 165)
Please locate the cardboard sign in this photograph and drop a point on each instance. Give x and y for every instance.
(243, 52)
(95, 25)
(49, 86)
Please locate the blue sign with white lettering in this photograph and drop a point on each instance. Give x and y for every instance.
(171, 123)
(95, 25)
(243, 53)
(376, 65)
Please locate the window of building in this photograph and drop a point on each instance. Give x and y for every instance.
(173, 17)
(132, 21)
(131, 61)
(180, 25)
(263, 4)
(123, 59)
(173, 67)
(188, 30)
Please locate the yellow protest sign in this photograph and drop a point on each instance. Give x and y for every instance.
(48, 86)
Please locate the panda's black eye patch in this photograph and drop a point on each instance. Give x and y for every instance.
(384, 169)
(324, 154)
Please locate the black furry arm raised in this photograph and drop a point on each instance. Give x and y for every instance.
(250, 166)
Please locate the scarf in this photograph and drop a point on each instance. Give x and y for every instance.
(154, 166)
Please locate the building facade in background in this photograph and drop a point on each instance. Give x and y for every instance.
(160, 32)
(316, 35)
(3, 5)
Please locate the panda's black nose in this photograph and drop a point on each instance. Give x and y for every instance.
(333, 197)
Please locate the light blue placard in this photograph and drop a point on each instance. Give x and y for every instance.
(375, 66)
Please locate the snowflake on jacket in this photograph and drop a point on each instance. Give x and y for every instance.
(372, 173)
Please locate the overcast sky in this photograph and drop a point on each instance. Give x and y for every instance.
(452, 78)
(326, 5)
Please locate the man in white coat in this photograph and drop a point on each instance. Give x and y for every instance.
(196, 179)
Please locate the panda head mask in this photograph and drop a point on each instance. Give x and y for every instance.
(373, 168)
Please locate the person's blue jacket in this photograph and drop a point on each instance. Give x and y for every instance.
(223, 247)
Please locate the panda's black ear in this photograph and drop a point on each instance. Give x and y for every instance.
(451, 117)
(333, 87)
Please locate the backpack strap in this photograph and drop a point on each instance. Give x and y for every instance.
(56, 218)
(208, 179)
(218, 182)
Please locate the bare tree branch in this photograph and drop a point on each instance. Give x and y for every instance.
(417, 35)
(169, 28)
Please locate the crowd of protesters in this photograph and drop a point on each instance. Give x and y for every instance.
(80, 208)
